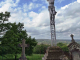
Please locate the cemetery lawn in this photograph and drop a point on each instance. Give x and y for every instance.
(32, 57)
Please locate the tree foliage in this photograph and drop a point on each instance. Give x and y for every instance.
(32, 42)
(3, 18)
(40, 49)
(3, 28)
(13, 36)
(63, 46)
(11, 40)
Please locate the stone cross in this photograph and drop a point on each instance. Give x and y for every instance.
(52, 12)
(51, 1)
(72, 37)
(23, 45)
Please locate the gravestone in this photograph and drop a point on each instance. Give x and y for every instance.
(76, 54)
(23, 45)
(74, 49)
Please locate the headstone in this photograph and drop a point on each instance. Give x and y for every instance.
(74, 49)
(76, 54)
(23, 45)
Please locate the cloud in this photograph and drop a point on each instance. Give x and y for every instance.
(33, 14)
(25, 7)
(67, 22)
(60, 1)
(30, 5)
(67, 19)
(41, 19)
(34, 5)
(43, 7)
(7, 4)
(78, 1)
(17, 1)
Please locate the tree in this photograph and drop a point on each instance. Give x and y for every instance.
(32, 42)
(63, 46)
(14, 36)
(40, 49)
(4, 26)
(11, 40)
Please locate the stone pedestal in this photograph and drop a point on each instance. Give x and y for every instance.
(21, 58)
(53, 53)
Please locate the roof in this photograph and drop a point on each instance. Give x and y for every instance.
(73, 45)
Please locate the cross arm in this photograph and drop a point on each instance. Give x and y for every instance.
(27, 45)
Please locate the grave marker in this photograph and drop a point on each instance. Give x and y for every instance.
(74, 49)
(23, 45)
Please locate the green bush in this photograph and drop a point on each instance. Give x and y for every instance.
(63, 46)
(40, 49)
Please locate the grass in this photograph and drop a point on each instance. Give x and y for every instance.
(32, 57)
(35, 57)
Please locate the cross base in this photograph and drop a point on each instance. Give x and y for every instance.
(53, 53)
(22, 58)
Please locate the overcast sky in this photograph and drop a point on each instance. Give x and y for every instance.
(35, 16)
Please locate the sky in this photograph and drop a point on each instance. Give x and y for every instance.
(35, 16)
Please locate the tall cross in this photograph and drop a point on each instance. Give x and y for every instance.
(23, 45)
(72, 37)
(51, 1)
(52, 12)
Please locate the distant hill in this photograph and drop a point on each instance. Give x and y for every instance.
(48, 41)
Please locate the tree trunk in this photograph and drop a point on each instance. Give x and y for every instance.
(15, 57)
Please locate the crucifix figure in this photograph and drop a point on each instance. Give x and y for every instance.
(23, 45)
(52, 12)
(72, 38)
